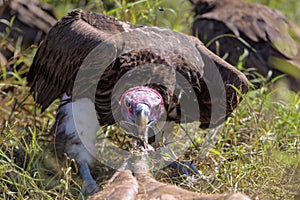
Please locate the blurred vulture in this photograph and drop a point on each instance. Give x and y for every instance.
(264, 37)
(31, 20)
(109, 71)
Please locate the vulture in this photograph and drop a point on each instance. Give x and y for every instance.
(107, 71)
(260, 38)
(31, 20)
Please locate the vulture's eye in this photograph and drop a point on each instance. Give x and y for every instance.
(127, 103)
(156, 107)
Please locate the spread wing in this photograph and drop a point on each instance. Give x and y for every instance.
(273, 42)
(78, 37)
(59, 57)
(265, 24)
(211, 90)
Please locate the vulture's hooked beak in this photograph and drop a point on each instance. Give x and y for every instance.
(141, 116)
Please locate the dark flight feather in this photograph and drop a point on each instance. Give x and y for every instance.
(272, 41)
(68, 43)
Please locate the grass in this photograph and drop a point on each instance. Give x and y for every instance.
(256, 152)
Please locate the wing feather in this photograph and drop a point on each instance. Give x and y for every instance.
(68, 43)
(261, 39)
(231, 79)
(266, 24)
(59, 57)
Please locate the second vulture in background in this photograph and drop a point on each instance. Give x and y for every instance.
(260, 37)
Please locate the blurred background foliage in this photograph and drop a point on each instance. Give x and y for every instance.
(167, 13)
(291, 8)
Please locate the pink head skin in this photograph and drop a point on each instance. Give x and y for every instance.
(141, 105)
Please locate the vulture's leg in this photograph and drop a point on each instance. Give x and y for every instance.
(75, 134)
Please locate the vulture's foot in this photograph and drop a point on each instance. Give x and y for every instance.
(89, 186)
(187, 169)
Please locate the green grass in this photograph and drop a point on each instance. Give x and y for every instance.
(256, 152)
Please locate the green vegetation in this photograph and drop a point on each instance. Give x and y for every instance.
(257, 151)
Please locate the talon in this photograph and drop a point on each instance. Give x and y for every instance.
(188, 170)
(90, 187)
(185, 168)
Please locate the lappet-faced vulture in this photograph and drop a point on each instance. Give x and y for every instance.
(271, 41)
(109, 71)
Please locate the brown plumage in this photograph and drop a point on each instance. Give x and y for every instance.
(80, 34)
(229, 27)
(33, 20)
(58, 59)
